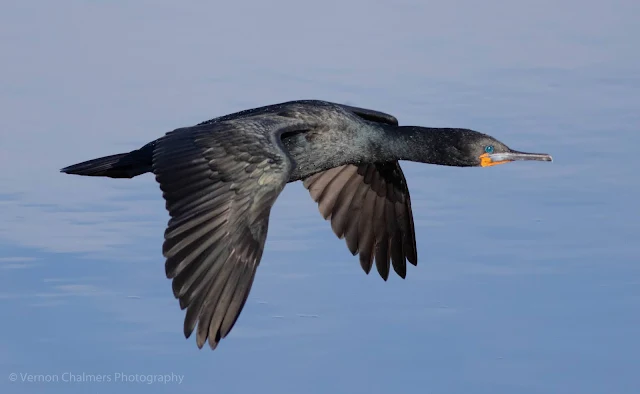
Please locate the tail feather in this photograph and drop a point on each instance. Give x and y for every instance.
(123, 165)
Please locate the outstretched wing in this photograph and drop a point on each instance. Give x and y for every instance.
(369, 205)
(219, 181)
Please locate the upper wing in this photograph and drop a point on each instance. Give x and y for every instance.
(219, 181)
(364, 113)
(369, 205)
(372, 115)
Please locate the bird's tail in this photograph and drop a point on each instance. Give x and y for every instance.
(123, 165)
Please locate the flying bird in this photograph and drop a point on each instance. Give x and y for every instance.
(221, 177)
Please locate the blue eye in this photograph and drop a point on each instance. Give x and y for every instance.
(488, 149)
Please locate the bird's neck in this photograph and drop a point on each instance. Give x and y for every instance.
(420, 144)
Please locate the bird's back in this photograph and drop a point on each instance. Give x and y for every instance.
(342, 134)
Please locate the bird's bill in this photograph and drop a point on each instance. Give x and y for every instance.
(487, 160)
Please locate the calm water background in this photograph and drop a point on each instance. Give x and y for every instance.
(529, 278)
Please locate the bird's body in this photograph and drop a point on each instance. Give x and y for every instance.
(221, 177)
(338, 135)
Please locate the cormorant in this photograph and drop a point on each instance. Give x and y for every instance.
(221, 177)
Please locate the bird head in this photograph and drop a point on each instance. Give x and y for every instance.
(480, 150)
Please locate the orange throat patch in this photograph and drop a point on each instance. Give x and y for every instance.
(485, 161)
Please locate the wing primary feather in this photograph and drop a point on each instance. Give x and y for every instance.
(219, 181)
(369, 204)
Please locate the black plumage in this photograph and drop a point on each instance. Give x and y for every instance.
(221, 177)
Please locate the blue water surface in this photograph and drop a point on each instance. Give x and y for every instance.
(529, 274)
